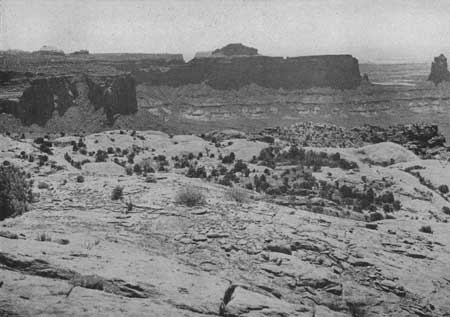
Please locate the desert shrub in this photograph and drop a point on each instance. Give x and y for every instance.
(129, 170)
(101, 156)
(39, 140)
(387, 197)
(44, 147)
(229, 159)
(240, 166)
(15, 192)
(110, 150)
(81, 143)
(67, 157)
(443, 189)
(376, 216)
(446, 210)
(147, 166)
(160, 158)
(137, 169)
(397, 205)
(190, 196)
(150, 179)
(43, 185)
(80, 179)
(130, 158)
(198, 172)
(117, 193)
(387, 208)
(426, 229)
(236, 194)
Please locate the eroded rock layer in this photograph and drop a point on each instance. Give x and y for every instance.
(38, 100)
(335, 71)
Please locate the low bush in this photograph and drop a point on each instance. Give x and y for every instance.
(190, 196)
(101, 156)
(80, 179)
(426, 229)
(117, 193)
(236, 194)
(446, 210)
(15, 192)
(443, 189)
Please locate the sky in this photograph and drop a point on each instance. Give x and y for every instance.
(371, 30)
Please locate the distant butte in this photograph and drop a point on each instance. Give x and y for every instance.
(439, 70)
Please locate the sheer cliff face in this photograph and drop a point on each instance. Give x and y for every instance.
(116, 95)
(335, 71)
(46, 96)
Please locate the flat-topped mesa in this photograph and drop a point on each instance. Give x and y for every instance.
(439, 70)
(333, 71)
(235, 66)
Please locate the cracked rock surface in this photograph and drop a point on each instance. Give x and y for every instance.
(222, 258)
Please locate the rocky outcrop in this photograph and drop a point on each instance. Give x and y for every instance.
(116, 95)
(335, 71)
(439, 70)
(42, 97)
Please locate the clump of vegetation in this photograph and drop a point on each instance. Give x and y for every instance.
(137, 169)
(426, 229)
(117, 193)
(129, 170)
(45, 147)
(198, 172)
(237, 194)
(443, 189)
(228, 159)
(446, 210)
(80, 179)
(150, 179)
(15, 192)
(190, 196)
(101, 156)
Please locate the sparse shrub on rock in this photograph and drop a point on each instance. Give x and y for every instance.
(80, 179)
(236, 194)
(137, 169)
(117, 193)
(446, 210)
(150, 179)
(375, 216)
(443, 189)
(190, 196)
(15, 192)
(101, 156)
(426, 229)
(229, 159)
(129, 170)
(44, 147)
(199, 172)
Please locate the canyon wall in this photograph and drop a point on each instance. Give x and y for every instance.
(334, 71)
(37, 101)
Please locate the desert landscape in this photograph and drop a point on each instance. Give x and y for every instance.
(231, 184)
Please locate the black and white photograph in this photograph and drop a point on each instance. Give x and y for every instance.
(236, 158)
